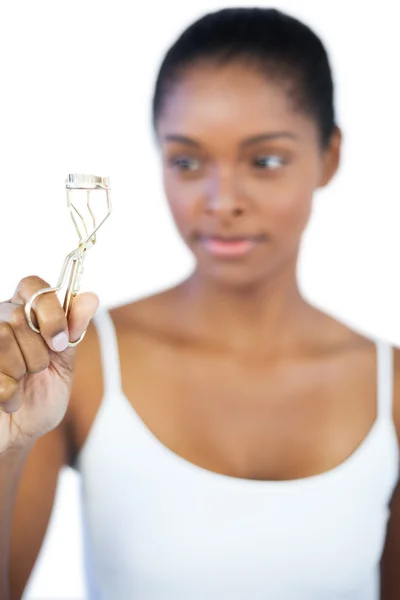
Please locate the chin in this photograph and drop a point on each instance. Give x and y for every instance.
(233, 278)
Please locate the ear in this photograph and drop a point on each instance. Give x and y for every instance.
(331, 158)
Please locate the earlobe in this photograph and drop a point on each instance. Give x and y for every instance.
(331, 159)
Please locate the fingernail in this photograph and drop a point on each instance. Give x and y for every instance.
(60, 342)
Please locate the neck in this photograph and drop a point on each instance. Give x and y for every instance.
(269, 315)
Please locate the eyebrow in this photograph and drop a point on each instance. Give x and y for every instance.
(263, 137)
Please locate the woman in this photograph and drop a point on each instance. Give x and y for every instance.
(233, 440)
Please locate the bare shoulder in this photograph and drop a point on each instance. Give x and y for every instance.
(129, 320)
(364, 345)
(156, 308)
(134, 322)
(155, 322)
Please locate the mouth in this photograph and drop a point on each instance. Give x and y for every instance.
(229, 247)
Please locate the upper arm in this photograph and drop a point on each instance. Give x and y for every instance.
(33, 506)
(390, 572)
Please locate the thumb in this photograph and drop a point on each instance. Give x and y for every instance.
(83, 309)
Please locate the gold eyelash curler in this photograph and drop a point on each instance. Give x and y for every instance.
(86, 228)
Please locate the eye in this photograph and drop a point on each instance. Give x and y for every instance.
(185, 163)
(268, 162)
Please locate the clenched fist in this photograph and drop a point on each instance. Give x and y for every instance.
(36, 370)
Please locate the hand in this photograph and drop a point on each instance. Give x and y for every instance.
(36, 370)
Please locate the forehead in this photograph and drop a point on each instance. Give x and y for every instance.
(232, 101)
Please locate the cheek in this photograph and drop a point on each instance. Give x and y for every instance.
(182, 199)
(285, 202)
(283, 209)
(292, 211)
(182, 215)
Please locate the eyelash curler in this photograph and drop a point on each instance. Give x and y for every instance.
(86, 228)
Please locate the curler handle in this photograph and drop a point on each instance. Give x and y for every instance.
(73, 281)
(70, 293)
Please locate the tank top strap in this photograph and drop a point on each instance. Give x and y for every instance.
(108, 351)
(385, 378)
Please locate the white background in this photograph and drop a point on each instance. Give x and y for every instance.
(76, 84)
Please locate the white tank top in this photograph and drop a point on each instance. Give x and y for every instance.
(157, 527)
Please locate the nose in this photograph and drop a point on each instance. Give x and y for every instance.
(223, 196)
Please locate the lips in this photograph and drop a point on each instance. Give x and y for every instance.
(234, 246)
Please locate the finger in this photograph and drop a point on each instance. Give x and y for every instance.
(49, 313)
(33, 349)
(27, 287)
(83, 309)
(12, 362)
(9, 394)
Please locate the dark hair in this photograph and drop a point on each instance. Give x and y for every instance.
(279, 46)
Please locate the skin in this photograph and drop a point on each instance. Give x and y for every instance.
(232, 369)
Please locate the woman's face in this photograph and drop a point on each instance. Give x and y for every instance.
(240, 166)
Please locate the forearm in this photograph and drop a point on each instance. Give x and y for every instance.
(11, 464)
